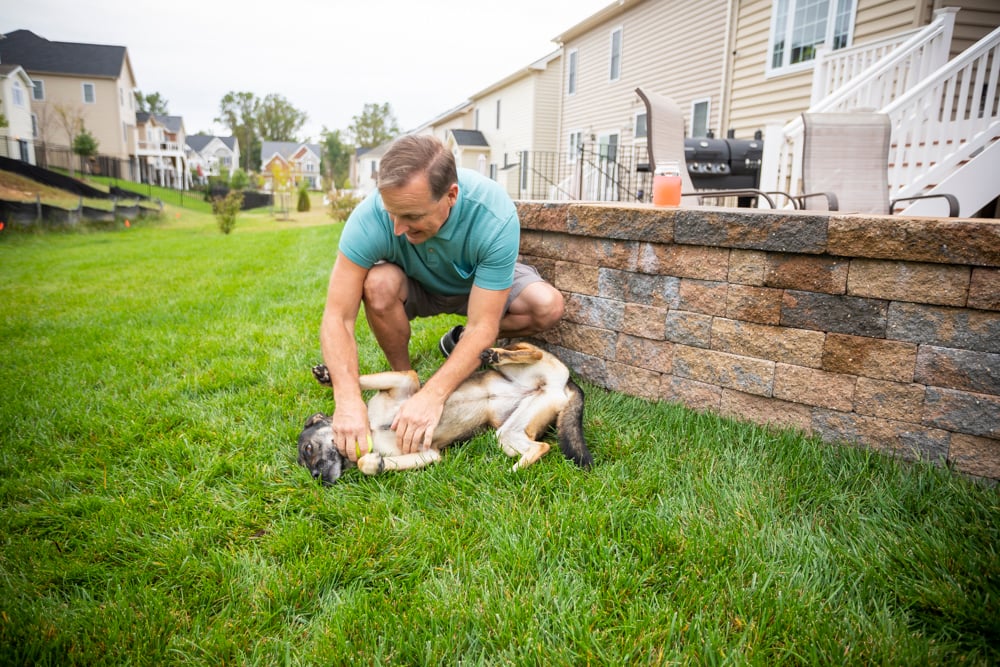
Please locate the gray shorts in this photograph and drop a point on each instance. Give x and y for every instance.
(421, 303)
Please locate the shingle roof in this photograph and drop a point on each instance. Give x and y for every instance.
(198, 141)
(37, 54)
(286, 149)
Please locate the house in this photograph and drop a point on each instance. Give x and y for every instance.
(211, 156)
(364, 168)
(161, 152)
(16, 138)
(78, 85)
(300, 161)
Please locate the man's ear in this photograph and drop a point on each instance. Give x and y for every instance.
(452, 194)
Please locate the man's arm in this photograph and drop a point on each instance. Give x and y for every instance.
(340, 353)
(420, 414)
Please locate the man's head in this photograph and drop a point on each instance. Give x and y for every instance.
(418, 182)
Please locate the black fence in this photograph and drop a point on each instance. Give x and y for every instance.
(19, 214)
(593, 173)
(50, 155)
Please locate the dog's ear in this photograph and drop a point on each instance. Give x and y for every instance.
(315, 419)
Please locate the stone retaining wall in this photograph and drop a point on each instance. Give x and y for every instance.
(882, 331)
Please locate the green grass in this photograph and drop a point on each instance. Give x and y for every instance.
(153, 383)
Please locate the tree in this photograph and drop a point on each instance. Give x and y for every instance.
(375, 126)
(153, 103)
(238, 112)
(84, 145)
(70, 119)
(337, 156)
(252, 120)
(278, 120)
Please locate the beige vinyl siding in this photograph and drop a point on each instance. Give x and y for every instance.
(546, 124)
(672, 47)
(516, 119)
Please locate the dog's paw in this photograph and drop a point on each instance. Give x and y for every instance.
(371, 463)
(322, 374)
(489, 356)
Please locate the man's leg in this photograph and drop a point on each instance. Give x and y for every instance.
(384, 296)
(536, 308)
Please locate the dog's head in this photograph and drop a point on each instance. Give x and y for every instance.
(317, 451)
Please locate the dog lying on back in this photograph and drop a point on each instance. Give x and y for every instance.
(525, 390)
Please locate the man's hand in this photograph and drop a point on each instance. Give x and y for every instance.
(416, 420)
(350, 429)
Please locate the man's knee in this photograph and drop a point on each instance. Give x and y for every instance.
(544, 303)
(384, 287)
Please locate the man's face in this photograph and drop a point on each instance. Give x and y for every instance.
(414, 211)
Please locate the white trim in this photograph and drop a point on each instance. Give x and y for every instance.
(572, 71)
(707, 101)
(83, 92)
(620, 30)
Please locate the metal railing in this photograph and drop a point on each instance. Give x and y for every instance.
(592, 173)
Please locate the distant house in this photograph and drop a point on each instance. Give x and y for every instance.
(364, 168)
(209, 155)
(302, 162)
(16, 139)
(91, 84)
(161, 151)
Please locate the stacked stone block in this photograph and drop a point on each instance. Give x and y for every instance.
(876, 330)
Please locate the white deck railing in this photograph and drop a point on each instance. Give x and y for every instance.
(943, 120)
(870, 76)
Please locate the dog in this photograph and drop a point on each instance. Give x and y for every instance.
(523, 391)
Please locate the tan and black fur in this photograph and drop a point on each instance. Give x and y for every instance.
(525, 390)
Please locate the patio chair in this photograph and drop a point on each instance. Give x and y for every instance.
(665, 143)
(845, 160)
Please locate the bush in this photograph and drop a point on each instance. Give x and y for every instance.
(304, 203)
(342, 202)
(226, 208)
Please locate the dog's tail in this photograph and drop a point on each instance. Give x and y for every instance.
(569, 425)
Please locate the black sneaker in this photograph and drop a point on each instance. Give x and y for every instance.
(449, 340)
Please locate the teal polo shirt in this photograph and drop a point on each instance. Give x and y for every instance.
(477, 245)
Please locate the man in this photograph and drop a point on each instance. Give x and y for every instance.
(433, 239)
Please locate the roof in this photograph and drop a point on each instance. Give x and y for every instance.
(198, 142)
(470, 138)
(37, 54)
(286, 149)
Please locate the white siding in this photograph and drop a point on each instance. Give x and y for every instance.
(673, 47)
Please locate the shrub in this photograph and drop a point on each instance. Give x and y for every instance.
(304, 203)
(226, 208)
(342, 202)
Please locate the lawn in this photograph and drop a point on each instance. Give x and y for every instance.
(151, 511)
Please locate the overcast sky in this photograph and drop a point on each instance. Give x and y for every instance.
(328, 58)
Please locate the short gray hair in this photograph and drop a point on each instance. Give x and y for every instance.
(414, 154)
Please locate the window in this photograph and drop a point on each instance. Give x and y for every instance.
(799, 26)
(640, 130)
(498, 114)
(616, 55)
(575, 145)
(38, 90)
(571, 73)
(699, 117)
(476, 122)
(34, 126)
(18, 94)
(89, 94)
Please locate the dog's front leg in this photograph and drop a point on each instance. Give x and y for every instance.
(375, 463)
